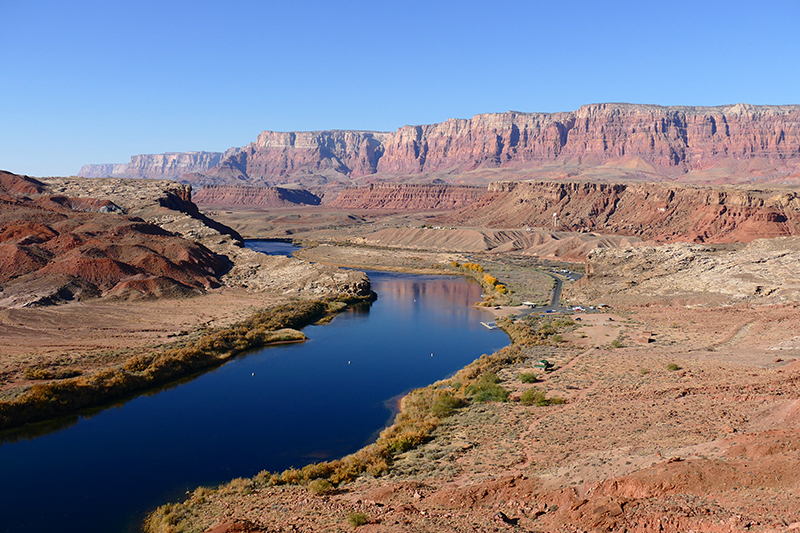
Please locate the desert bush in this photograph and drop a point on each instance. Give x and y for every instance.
(445, 404)
(527, 377)
(320, 486)
(533, 397)
(489, 279)
(616, 343)
(41, 373)
(357, 519)
(502, 289)
(536, 397)
(486, 389)
(672, 367)
(536, 330)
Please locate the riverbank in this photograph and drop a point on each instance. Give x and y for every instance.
(521, 278)
(673, 419)
(60, 388)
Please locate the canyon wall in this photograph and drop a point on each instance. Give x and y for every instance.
(674, 140)
(253, 197)
(600, 141)
(416, 197)
(656, 211)
(156, 166)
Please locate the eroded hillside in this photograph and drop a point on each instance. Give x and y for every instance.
(651, 211)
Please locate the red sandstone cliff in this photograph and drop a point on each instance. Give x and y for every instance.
(416, 197)
(608, 141)
(671, 140)
(255, 197)
(647, 210)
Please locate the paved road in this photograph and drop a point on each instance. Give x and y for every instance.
(555, 298)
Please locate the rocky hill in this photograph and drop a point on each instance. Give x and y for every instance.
(760, 272)
(734, 143)
(651, 211)
(414, 197)
(65, 239)
(156, 166)
(56, 248)
(253, 197)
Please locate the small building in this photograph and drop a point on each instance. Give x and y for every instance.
(543, 364)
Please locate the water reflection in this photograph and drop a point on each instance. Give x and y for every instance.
(266, 410)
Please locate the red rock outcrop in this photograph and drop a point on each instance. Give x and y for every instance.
(647, 210)
(417, 197)
(255, 197)
(56, 248)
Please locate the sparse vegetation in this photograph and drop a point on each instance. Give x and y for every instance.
(536, 397)
(616, 343)
(43, 373)
(357, 519)
(536, 330)
(672, 367)
(527, 377)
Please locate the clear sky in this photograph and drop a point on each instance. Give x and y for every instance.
(96, 81)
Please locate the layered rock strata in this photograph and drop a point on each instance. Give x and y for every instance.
(155, 166)
(647, 210)
(734, 142)
(253, 197)
(145, 239)
(416, 197)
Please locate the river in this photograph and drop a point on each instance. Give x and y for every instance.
(269, 409)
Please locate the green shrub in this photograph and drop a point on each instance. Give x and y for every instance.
(320, 486)
(533, 397)
(616, 343)
(672, 367)
(538, 398)
(445, 404)
(357, 519)
(486, 389)
(527, 377)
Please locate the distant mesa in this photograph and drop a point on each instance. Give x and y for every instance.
(155, 166)
(608, 142)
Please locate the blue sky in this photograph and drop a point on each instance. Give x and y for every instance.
(91, 81)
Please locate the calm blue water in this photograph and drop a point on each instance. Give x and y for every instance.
(273, 408)
(272, 247)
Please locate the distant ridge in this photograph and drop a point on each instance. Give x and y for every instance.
(732, 143)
